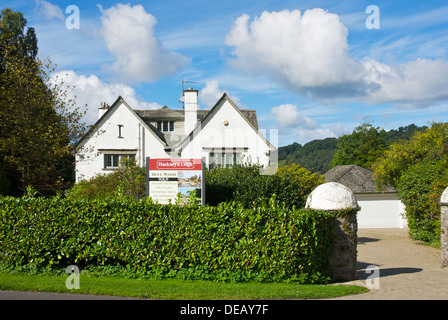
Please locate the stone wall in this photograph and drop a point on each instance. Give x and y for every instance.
(340, 200)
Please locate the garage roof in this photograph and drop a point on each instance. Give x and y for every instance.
(357, 179)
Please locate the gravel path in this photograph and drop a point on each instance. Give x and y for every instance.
(407, 270)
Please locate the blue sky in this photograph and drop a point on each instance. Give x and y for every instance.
(311, 69)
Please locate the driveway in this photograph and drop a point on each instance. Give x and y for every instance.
(407, 270)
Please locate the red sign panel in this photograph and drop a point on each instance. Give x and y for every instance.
(175, 164)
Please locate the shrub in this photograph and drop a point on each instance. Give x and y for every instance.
(227, 242)
(420, 189)
(244, 184)
(129, 180)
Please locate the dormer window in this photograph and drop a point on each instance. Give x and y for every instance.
(165, 125)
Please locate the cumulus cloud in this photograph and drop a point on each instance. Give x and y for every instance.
(211, 93)
(287, 116)
(129, 35)
(91, 91)
(302, 51)
(418, 83)
(308, 54)
(48, 10)
(291, 122)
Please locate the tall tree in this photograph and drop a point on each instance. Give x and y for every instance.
(37, 123)
(363, 147)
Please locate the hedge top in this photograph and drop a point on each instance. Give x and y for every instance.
(331, 196)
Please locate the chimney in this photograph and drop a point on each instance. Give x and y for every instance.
(191, 109)
(102, 110)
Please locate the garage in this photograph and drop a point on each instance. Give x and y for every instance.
(379, 208)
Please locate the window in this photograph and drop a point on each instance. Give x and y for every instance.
(113, 161)
(119, 131)
(224, 159)
(165, 126)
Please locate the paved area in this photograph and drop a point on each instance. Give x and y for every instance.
(407, 270)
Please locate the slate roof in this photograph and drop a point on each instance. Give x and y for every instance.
(356, 178)
(167, 113)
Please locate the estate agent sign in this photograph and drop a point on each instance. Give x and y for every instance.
(170, 179)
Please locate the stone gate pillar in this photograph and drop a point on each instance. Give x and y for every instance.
(444, 228)
(340, 200)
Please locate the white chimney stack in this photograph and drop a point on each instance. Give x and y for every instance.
(191, 109)
(102, 110)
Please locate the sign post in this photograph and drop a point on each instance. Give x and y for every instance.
(170, 179)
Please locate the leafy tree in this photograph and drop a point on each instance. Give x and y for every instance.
(37, 122)
(428, 145)
(363, 147)
(13, 35)
(418, 168)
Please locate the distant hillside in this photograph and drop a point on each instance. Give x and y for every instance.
(317, 155)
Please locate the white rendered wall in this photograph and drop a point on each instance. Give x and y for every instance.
(90, 160)
(236, 134)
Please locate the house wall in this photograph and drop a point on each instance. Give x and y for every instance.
(236, 134)
(380, 211)
(136, 139)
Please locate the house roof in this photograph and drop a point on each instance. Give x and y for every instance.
(167, 113)
(356, 178)
(249, 115)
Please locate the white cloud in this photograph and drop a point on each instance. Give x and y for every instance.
(48, 10)
(292, 123)
(302, 51)
(212, 93)
(308, 54)
(287, 116)
(129, 35)
(91, 91)
(418, 83)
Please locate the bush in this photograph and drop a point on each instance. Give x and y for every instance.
(227, 242)
(129, 180)
(244, 184)
(420, 189)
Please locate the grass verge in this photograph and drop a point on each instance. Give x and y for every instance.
(173, 289)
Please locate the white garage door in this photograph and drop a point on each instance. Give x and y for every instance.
(380, 211)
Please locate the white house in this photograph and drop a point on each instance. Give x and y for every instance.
(379, 208)
(224, 135)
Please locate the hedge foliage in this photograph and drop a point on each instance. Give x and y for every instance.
(420, 189)
(227, 243)
(243, 183)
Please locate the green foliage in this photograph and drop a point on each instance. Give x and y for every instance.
(418, 167)
(428, 145)
(244, 184)
(362, 147)
(37, 120)
(129, 181)
(420, 189)
(315, 155)
(225, 243)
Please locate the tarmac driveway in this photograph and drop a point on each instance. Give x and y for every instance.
(407, 270)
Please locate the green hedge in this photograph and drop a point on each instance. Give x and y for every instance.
(227, 242)
(244, 184)
(420, 189)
